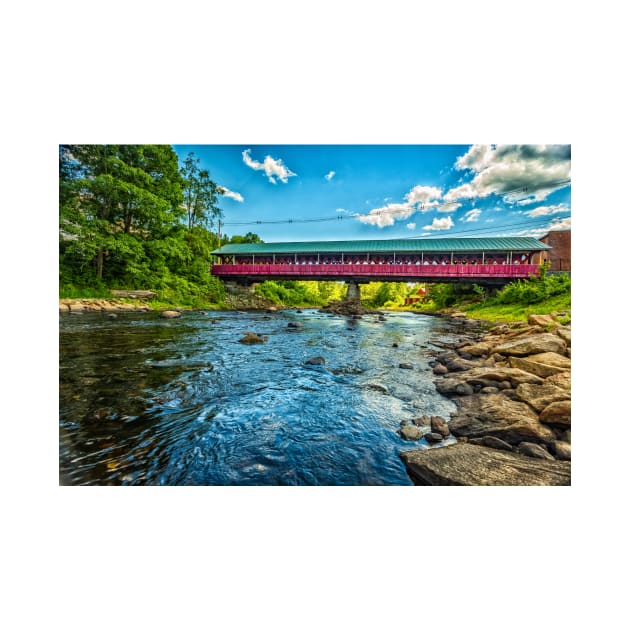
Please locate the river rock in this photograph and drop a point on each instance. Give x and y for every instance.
(534, 344)
(410, 433)
(295, 325)
(557, 413)
(562, 450)
(564, 332)
(439, 425)
(394, 345)
(251, 338)
(533, 450)
(543, 364)
(423, 421)
(170, 314)
(378, 387)
(539, 396)
(433, 438)
(440, 369)
(405, 366)
(491, 442)
(485, 376)
(561, 380)
(464, 464)
(489, 390)
(496, 414)
(315, 361)
(480, 349)
(542, 320)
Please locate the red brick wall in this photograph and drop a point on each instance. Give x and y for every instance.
(560, 253)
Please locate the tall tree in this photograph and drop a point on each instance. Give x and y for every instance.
(200, 194)
(112, 197)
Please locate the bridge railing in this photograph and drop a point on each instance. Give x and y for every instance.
(377, 271)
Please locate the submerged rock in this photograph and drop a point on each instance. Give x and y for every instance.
(464, 464)
(405, 366)
(251, 338)
(315, 361)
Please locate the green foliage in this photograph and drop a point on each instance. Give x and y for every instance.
(535, 289)
(250, 237)
(386, 294)
(290, 293)
(121, 226)
(200, 194)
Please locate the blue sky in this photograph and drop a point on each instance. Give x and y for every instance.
(389, 191)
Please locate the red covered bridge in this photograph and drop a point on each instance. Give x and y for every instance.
(480, 260)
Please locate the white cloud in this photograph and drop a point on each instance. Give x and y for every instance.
(273, 168)
(411, 226)
(387, 215)
(449, 206)
(232, 195)
(419, 198)
(503, 168)
(329, 176)
(542, 211)
(471, 215)
(343, 210)
(423, 196)
(440, 224)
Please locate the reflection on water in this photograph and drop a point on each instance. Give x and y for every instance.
(150, 401)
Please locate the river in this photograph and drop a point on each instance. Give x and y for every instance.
(149, 401)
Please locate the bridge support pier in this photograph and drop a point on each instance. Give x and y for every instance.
(240, 288)
(353, 293)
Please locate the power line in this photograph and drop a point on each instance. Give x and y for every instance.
(421, 207)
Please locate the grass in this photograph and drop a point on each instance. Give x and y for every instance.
(490, 311)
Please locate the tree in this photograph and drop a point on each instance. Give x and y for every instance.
(250, 237)
(200, 194)
(112, 198)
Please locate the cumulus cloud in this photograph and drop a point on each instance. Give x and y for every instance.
(423, 196)
(449, 206)
(342, 210)
(534, 168)
(387, 215)
(411, 226)
(471, 215)
(542, 211)
(229, 193)
(329, 176)
(418, 199)
(440, 224)
(273, 167)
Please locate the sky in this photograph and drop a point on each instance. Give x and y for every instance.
(348, 192)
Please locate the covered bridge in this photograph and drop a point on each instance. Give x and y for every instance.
(484, 260)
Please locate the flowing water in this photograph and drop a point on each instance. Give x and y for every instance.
(149, 401)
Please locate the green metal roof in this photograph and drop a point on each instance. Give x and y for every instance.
(512, 243)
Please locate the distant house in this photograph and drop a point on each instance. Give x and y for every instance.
(559, 256)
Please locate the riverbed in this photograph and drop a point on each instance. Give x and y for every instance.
(149, 401)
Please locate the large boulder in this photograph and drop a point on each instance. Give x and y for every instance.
(465, 464)
(539, 396)
(498, 415)
(544, 364)
(557, 413)
(562, 450)
(534, 344)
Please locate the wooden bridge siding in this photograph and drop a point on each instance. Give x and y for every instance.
(377, 272)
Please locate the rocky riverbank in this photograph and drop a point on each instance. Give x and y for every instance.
(100, 305)
(512, 387)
